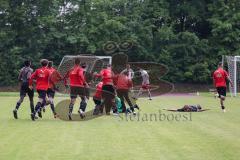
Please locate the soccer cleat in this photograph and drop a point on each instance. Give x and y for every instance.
(81, 113)
(136, 106)
(115, 113)
(40, 114)
(55, 115)
(134, 113)
(128, 111)
(15, 114)
(135, 98)
(70, 117)
(222, 107)
(224, 110)
(95, 112)
(150, 99)
(33, 117)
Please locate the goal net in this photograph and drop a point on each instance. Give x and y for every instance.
(233, 68)
(92, 64)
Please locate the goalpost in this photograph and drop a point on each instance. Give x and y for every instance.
(90, 61)
(233, 67)
(93, 64)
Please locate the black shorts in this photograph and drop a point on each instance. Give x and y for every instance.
(75, 91)
(221, 91)
(108, 91)
(50, 93)
(26, 90)
(97, 101)
(42, 94)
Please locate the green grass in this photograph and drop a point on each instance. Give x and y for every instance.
(209, 135)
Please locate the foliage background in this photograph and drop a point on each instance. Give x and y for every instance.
(188, 36)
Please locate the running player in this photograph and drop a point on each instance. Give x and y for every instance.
(51, 87)
(24, 76)
(219, 80)
(108, 91)
(77, 87)
(145, 83)
(41, 76)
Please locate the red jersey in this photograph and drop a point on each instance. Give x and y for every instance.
(76, 76)
(41, 76)
(219, 77)
(54, 77)
(51, 70)
(123, 82)
(106, 75)
(98, 93)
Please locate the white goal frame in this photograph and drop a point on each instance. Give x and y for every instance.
(233, 74)
(100, 57)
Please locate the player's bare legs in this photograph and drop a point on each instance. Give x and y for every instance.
(149, 94)
(139, 93)
(222, 99)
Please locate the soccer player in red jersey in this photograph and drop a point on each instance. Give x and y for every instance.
(219, 80)
(41, 76)
(108, 91)
(123, 84)
(51, 87)
(97, 97)
(77, 87)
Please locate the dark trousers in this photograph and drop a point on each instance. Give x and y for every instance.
(108, 95)
(123, 94)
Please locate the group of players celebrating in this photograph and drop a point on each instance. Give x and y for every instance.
(111, 86)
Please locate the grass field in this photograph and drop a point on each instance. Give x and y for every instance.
(207, 135)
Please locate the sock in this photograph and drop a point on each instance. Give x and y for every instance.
(38, 107)
(17, 106)
(43, 104)
(52, 108)
(83, 106)
(223, 107)
(70, 108)
(132, 108)
(32, 106)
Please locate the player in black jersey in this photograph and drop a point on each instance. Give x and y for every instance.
(24, 75)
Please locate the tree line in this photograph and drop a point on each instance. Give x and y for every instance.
(188, 36)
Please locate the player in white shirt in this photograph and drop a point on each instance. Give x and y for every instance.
(129, 71)
(145, 83)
